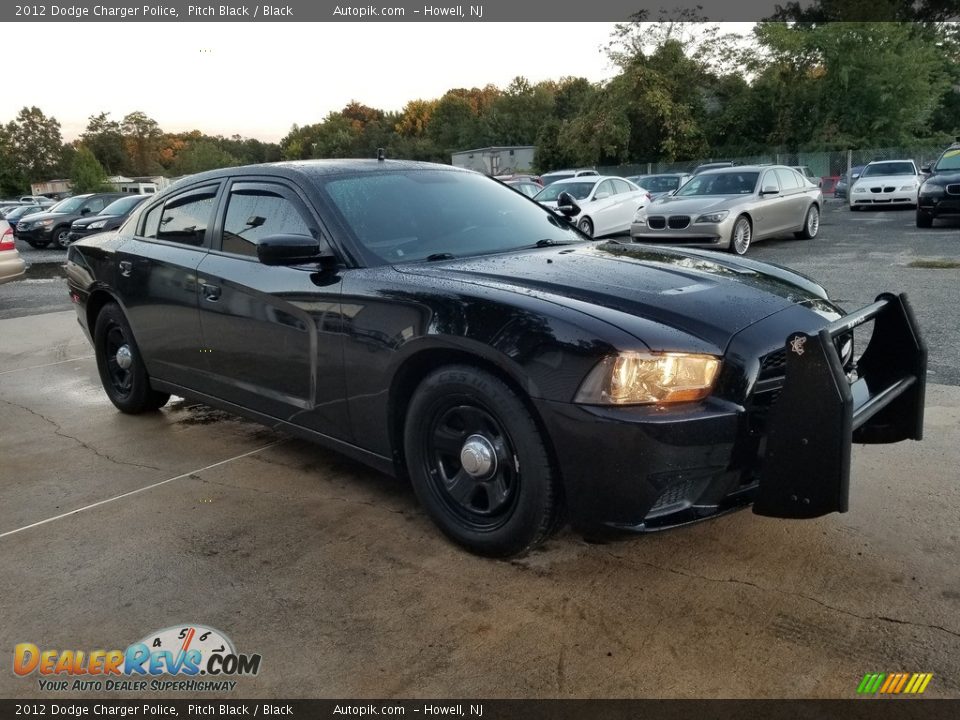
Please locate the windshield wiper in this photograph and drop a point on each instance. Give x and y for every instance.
(440, 256)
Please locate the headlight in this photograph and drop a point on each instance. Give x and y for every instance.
(637, 378)
(929, 189)
(712, 217)
(43, 223)
(96, 225)
(859, 188)
(908, 188)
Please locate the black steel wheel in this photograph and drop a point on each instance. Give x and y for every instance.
(478, 464)
(122, 372)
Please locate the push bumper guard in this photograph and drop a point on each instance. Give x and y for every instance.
(821, 412)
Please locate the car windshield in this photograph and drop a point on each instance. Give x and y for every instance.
(727, 183)
(404, 216)
(658, 183)
(67, 206)
(123, 205)
(950, 160)
(889, 168)
(580, 190)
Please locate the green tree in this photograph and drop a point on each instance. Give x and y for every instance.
(105, 140)
(141, 135)
(86, 172)
(35, 145)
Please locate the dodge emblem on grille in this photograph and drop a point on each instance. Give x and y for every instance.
(797, 344)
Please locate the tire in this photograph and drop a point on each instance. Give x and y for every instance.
(924, 220)
(509, 502)
(811, 224)
(586, 226)
(61, 236)
(128, 388)
(741, 235)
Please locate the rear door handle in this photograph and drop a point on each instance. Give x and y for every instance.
(211, 292)
(126, 267)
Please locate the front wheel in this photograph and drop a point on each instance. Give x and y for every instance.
(478, 464)
(811, 224)
(740, 236)
(122, 372)
(586, 227)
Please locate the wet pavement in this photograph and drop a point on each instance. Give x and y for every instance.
(113, 526)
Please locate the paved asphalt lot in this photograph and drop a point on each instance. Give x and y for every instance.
(332, 573)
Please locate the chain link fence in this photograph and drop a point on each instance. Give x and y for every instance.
(826, 165)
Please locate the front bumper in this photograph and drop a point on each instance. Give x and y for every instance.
(786, 448)
(893, 197)
(681, 230)
(939, 206)
(34, 234)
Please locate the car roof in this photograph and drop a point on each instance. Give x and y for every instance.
(743, 168)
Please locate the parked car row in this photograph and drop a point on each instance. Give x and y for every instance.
(73, 218)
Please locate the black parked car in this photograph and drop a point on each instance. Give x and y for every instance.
(435, 324)
(53, 224)
(939, 194)
(110, 218)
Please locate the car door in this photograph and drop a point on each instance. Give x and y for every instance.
(272, 333)
(795, 200)
(602, 208)
(771, 215)
(628, 200)
(157, 283)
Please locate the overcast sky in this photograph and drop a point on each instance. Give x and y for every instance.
(256, 80)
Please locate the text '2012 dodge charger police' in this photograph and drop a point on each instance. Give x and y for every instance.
(437, 325)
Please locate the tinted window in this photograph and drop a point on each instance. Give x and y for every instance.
(606, 187)
(579, 189)
(123, 205)
(183, 219)
(889, 168)
(95, 205)
(789, 180)
(255, 213)
(950, 160)
(727, 183)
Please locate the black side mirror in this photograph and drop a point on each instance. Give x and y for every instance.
(926, 170)
(289, 250)
(567, 205)
(85, 211)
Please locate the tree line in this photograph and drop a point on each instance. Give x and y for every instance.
(682, 90)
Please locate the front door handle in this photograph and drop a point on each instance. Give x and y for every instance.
(211, 292)
(126, 267)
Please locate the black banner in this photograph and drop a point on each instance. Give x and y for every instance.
(861, 709)
(441, 11)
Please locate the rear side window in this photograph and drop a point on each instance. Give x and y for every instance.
(183, 219)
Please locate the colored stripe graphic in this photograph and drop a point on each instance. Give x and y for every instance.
(894, 683)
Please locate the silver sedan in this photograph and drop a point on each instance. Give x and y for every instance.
(729, 208)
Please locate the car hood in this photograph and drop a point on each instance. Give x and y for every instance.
(84, 221)
(34, 217)
(704, 294)
(898, 180)
(692, 205)
(944, 177)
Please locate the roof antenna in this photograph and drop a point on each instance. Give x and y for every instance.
(381, 155)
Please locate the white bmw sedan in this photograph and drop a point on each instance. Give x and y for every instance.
(886, 182)
(607, 204)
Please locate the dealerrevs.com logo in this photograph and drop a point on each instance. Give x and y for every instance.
(196, 657)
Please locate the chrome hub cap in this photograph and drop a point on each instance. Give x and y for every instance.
(478, 457)
(124, 357)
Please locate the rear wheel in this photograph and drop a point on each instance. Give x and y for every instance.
(586, 226)
(924, 219)
(741, 235)
(478, 464)
(122, 372)
(811, 224)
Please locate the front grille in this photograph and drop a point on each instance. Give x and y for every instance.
(953, 189)
(678, 222)
(773, 364)
(656, 222)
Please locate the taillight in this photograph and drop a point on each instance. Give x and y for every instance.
(6, 240)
